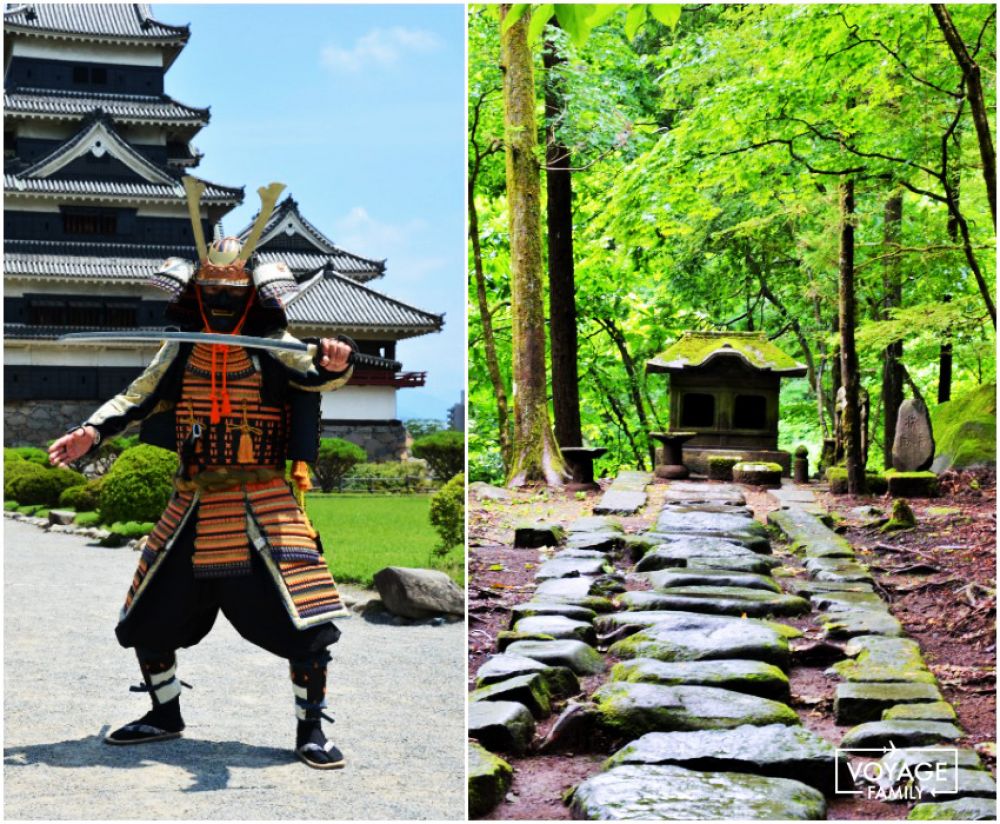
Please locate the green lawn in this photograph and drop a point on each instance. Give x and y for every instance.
(364, 533)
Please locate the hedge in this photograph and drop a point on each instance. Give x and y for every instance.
(138, 485)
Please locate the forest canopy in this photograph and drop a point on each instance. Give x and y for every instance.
(707, 160)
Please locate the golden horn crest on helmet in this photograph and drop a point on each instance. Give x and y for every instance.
(194, 189)
(268, 198)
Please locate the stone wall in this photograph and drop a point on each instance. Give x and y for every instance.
(34, 423)
(382, 440)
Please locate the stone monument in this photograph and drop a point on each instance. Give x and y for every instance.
(913, 447)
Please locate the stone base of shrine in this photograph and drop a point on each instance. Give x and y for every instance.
(696, 458)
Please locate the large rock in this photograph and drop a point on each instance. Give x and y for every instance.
(530, 690)
(695, 551)
(560, 680)
(717, 600)
(678, 577)
(913, 446)
(670, 793)
(900, 734)
(775, 750)
(418, 593)
(878, 658)
(733, 638)
(632, 709)
(855, 703)
(578, 591)
(751, 677)
(534, 535)
(965, 430)
(582, 658)
(961, 809)
(809, 535)
(860, 622)
(501, 726)
(489, 779)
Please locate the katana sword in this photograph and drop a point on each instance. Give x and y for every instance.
(217, 338)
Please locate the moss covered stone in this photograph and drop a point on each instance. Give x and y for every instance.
(900, 734)
(855, 703)
(751, 677)
(557, 626)
(965, 430)
(489, 779)
(931, 711)
(717, 600)
(960, 809)
(836, 476)
(902, 517)
(529, 689)
(507, 637)
(912, 484)
(501, 726)
(582, 658)
(560, 680)
(758, 474)
(735, 639)
(533, 535)
(720, 467)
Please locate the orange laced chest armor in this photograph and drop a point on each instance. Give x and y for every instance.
(247, 433)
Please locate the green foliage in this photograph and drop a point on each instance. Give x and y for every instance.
(28, 453)
(419, 427)
(448, 514)
(389, 476)
(965, 429)
(29, 509)
(121, 532)
(109, 450)
(138, 485)
(335, 459)
(443, 451)
(84, 497)
(10, 506)
(31, 483)
(87, 518)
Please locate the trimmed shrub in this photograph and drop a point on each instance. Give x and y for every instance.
(448, 514)
(83, 498)
(138, 485)
(10, 506)
(87, 518)
(443, 451)
(32, 483)
(121, 533)
(29, 509)
(391, 476)
(29, 453)
(336, 458)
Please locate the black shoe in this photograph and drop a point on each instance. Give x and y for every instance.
(151, 727)
(320, 756)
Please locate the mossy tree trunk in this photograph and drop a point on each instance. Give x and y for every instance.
(892, 355)
(848, 352)
(562, 286)
(535, 455)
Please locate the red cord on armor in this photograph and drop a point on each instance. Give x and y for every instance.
(226, 407)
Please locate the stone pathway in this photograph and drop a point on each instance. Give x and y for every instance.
(695, 711)
(626, 495)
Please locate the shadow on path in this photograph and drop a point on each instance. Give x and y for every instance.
(207, 762)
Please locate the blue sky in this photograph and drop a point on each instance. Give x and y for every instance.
(360, 110)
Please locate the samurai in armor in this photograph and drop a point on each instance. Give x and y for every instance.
(233, 537)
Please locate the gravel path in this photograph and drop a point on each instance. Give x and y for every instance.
(397, 694)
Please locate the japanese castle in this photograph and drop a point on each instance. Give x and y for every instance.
(94, 151)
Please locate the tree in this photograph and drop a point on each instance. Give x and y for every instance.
(334, 460)
(443, 451)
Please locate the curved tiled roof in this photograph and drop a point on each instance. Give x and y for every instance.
(28, 331)
(113, 190)
(97, 21)
(128, 108)
(697, 349)
(103, 249)
(79, 267)
(330, 299)
(307, 262)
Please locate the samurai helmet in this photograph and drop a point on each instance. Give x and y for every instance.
(224, 262)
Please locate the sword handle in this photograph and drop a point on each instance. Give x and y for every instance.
(364, 361)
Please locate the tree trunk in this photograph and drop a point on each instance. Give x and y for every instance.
(980, 115)
(535, 455)
(848, 353)
(633, 378)
(492, 362)
(562, 288)
(892, 355)
(944, 365)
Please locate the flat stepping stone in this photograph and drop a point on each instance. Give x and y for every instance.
(582, 658)
(600, 541)
(529, 690)
(626, 622)
(837, 569)
(570, 568)
(931, 711)
(737, 639)
(961, 809)
(717, 600)
(501, 726)
(558, 627)
(632, 480)
(594, 524)
(694, 552)
(774, 750)
(845, 601)
(676, 577)
(809, 587)
(669, 793)
(859, 622)
(633, 709)
(950, 783)
(534, 535)
(751, 677)
(620, 502)
(855, 703)
(910, 758)
(489, 779)
(755, 543)
(578, 552)
(687, 520)
(577, 591)
(878, 658)
(900, 734)
(530, 608)
(561, 681)
(709, 507)
(692, 492)
(809, 535)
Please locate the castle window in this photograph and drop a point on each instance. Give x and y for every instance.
(77, 223)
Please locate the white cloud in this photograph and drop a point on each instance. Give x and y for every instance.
(409, 262)
(381, 48)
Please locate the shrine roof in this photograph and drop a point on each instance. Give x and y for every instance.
(698, 349)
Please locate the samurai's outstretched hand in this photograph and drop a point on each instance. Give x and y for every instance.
(333, 355)
(73, 446)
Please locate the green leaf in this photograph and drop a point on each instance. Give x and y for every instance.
(497, 568)
(602, 13)
(515, 13)
(635, 18)
(666, 13)
(540, 17)
(573, 19)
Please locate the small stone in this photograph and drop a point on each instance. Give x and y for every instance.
(582, 658)
(558, 627)
(560, 680)
(529, 690)
(486, 492)
(534, 535)
(669, 793)
(489, 779)
(775, 750)
(855, 703)
(569, 568)
(751, 677)
(859, 622)
(61, 516)
(930, 711)
(594, 524)
(902, 517)
(845, 601)
(620, 502)
(501, 726)
(767, 475)
(900, 734)
(961, 809)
